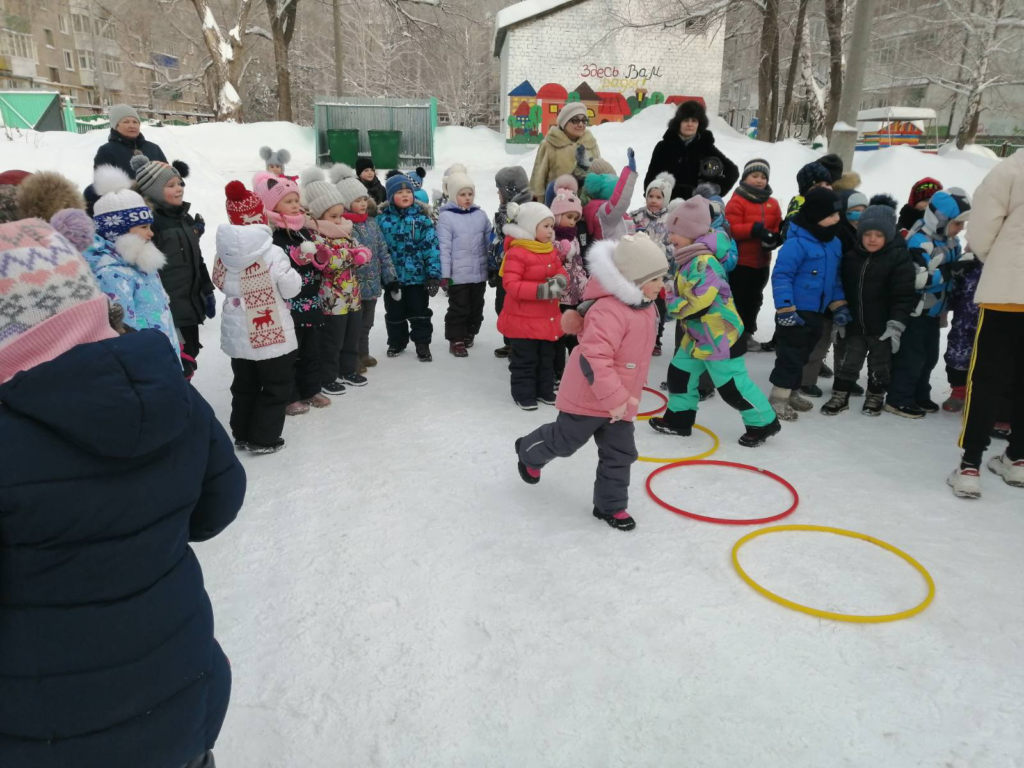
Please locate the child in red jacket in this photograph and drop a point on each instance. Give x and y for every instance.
(606, 373)
(534, 281)
(755, 218)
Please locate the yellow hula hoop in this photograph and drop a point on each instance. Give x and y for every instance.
(829, 614)
(695, 457)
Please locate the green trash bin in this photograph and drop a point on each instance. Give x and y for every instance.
(343, 144)
(384, 146)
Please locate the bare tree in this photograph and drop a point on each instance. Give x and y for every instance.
(282, 27)
(766, 76)
(834, 24)
(794, 65)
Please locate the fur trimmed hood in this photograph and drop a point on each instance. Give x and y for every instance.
(849, 180)
(605, 278)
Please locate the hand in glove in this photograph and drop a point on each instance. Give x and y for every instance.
(893, 330)
(771, 240)
(211, 305)
(552, 288)
(841, 316)
(631, 157)
(493, 279)
(788, 318)
(445, 284)
(395, 290)
(199, 225)
(582, 158)
(360, 255)
(433, 285)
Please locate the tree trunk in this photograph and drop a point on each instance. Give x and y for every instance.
(776, 117)
(834, 23)
(226, 54)
(794, 63)
(769, 38)
(972, 109)
(282, 27)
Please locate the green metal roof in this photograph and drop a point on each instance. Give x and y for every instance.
(26, 109)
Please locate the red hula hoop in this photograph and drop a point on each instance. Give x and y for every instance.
(722, 520)
(658, 410)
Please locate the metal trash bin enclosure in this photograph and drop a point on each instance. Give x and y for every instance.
(416, 119)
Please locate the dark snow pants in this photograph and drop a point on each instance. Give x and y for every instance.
(367, 314)
(851, 352)
(531, 365)
(411, 311)
(307, 365)
(912, 366)
(794, 346)
(465, 312)
(997, 367)
(203, 761)
(260, 392)
(616, 452)
(339, 346)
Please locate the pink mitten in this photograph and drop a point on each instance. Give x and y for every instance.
(361, 255)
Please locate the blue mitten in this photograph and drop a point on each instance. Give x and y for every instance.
(842, 316)
(788, 319)
(211, 305)
(632, 159)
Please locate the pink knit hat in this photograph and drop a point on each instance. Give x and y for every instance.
(688, 218)
(272, 189)
(49, 301)
(565, 202)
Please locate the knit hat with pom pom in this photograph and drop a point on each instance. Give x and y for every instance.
(524, 219)
(153, 175)
(688, 218)
(243, 206)
(49, 300)
(664, 182)
(320, 195)
(349, 186)
(119, 208)
(76, 226)
(566, 201)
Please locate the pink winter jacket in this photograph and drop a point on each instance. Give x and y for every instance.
(610, 364)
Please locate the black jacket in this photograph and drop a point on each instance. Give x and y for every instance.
(684, 162)
(307, 306)
(879, 287)
(376, 190)
(185, 277)
(118, 151)
(909, 216)
(110, 464)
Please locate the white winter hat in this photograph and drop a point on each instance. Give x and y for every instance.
(524, 219)
(569, 111)
(119, 207)
(665, 182)
(457, 182)
(640, 259)
(320, 195)
(348, 184)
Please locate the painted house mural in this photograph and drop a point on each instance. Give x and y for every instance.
(532, 112)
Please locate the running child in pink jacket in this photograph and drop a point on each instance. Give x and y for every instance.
(605, 375)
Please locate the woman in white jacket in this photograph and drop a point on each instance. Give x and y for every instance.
(257, 332)
(996, 235)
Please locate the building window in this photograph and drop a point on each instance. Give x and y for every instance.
(69, 61)
(48, 37)
(62, 22)
(105, 28)
(80, 23)
(85, 61)
(111, 66)
(17, 44)
(553, 109)
(54, 75)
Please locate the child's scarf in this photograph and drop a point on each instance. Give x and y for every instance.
(279, 220)
(533, 246)
(259, 301)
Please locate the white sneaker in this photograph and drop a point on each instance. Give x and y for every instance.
(1012, 472)
(966, 483)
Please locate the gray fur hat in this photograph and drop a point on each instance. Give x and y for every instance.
(282, 157)
(8, 204)
(512, 182)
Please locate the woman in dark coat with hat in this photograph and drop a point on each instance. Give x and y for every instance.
(688, 152)
(125, 141)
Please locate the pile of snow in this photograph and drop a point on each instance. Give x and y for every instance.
(393, 595)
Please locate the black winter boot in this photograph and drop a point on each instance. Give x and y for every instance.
(619, 520)
(755, 437)
(839, 402)
(674, 423)
(423, 353)
(531, 476)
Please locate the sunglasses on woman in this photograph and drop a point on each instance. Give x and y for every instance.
(579, 120)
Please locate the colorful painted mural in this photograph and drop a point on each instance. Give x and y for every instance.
(531, 112)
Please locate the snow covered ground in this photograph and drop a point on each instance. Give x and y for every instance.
(393, 595)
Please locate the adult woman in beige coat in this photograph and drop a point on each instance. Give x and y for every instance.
(996, 235)
(559, 152)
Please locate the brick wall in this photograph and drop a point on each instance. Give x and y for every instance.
(574, 45)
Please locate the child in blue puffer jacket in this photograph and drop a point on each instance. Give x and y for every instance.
(808, 294)
(935, 250)
(412, 240)
(463, 233)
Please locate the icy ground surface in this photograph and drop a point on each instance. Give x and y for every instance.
(393, 595)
